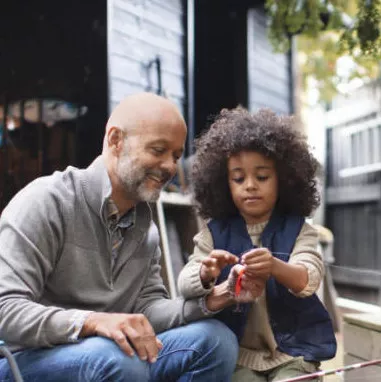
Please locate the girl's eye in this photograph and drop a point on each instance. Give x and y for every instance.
(238, 180)
(262, 178)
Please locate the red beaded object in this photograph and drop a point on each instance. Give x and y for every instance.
(238, 284)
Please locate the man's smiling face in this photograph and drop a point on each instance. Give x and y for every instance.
(149, 159)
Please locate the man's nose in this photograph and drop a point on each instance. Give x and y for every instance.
(169, 165)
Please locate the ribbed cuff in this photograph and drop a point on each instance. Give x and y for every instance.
(313, 283)
(190, 284)
(204, 308)
(198, 286)
(76, 323)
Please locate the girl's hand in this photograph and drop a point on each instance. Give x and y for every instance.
(212, 265)
(259, 262)
(250, 287)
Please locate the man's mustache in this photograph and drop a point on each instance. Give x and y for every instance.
(164, 175)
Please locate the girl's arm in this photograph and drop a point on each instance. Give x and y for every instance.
(189, 282)
(200, 273)
(305, 254)
(304, 270)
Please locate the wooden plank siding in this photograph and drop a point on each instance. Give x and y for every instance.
(138, 32)
(353, 188)
(269, 73)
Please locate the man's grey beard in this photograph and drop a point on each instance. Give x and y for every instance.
(132, 178)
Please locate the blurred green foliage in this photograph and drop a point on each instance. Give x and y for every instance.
(325, 32)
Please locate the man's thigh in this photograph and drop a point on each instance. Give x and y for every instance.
(94, 359)
(203, 351)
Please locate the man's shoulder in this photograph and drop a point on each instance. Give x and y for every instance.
(46, 191)
(56, 184)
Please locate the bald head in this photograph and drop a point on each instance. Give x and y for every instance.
(142, 109)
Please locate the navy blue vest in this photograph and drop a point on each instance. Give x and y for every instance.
(301, 326)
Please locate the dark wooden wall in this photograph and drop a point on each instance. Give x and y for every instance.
(235, 62)
(270, 75)
(138, 33)
(353, 197)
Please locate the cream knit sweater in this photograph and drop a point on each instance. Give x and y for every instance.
(258, 349)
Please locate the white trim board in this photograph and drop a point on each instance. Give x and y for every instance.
(357, 305)
(351, 112)
(362, 126)
(360, 170)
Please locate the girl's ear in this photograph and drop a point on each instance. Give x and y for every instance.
(115, 138)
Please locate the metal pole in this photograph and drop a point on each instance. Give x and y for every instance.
(339, 371)
(3, 200)
(12, 363)
(190, 82)
(21, 175)
(158, 74)
(41, 153)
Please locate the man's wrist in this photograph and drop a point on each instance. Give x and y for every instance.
(219, 298)
(88, 327)
(77, 321)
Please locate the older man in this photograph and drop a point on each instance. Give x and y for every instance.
(81, 297)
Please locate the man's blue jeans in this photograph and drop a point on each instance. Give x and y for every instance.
(202, 351)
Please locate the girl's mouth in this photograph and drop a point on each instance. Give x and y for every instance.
(252, 199)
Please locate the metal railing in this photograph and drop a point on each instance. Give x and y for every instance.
(12, 362)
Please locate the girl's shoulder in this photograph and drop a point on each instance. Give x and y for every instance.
(308, 235)
(204, 238)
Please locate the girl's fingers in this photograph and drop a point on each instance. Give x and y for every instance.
(209, 262)
(231, 259)
(255, 253)
(219, 252)
(258, 266)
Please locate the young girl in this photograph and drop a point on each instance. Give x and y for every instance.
(254, 180)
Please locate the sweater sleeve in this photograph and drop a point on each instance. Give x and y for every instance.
(164, 313)
(31, 235)
(189, 281)
(305, 253)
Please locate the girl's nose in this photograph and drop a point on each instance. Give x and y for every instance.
(251, 184)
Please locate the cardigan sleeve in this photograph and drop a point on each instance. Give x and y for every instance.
(31, 236)
(189, 281)
(162, 312)
(305, 253)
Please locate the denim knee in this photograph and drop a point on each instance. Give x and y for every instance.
(103, 360)
(220, 342)
(227, 346)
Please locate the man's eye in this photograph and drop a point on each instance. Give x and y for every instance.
(158, 150)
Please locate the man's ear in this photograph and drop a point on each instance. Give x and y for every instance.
(115, 138)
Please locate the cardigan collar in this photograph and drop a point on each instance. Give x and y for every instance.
(96, 187)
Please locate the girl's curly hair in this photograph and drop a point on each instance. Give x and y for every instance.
(275, 137)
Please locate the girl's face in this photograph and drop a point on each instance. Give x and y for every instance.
(253, 183)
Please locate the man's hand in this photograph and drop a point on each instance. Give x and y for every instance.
(251, 286)
(127, 330)
(212, 265)
(259, 262)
